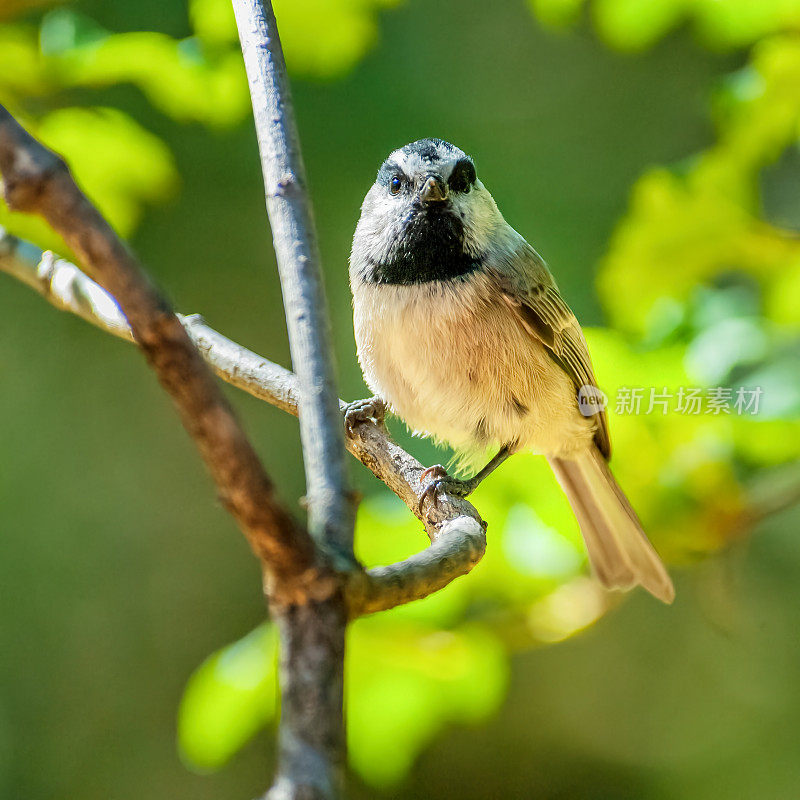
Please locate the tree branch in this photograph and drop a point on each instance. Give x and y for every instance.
(331, 511)
(35, 180)
(454, 527)
(457, 548)
(312, 740)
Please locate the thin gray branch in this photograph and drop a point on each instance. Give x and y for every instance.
(63, 284)
(330, 506)
(312, 739)
(453, 525)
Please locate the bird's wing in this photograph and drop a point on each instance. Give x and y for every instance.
(533, 296)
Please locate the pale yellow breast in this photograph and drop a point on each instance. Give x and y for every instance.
(452, 361)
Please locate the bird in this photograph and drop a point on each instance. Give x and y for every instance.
(462, 333)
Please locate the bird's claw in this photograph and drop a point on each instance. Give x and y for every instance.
(442, 482)
(372, 408)
(436, 469)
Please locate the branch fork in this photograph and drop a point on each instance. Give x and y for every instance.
(314, 584)
(454, 527)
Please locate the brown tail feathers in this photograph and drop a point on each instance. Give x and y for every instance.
(619, 552)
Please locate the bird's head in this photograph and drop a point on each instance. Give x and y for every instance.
(427, 217)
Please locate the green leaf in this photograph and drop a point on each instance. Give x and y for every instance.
(537, 549)
(21, 67)
(63, 29)
(634, 25)
(407, 682)
(228, 699)
(175, 75)
(121, 167)
(213, 21)
(320, 38)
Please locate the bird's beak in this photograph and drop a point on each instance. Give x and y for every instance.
(433, 190)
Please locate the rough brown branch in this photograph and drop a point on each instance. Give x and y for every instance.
(37, 181)
(454, 527)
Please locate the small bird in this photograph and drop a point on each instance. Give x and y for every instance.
(462, 332)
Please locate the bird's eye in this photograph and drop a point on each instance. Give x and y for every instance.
(395, 184)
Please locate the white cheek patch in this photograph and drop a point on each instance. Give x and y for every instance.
(481, 218)
(379, 226)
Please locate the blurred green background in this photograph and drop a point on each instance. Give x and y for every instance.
(648, 148)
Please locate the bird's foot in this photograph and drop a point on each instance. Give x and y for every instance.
(441, 482)
(371, 408)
